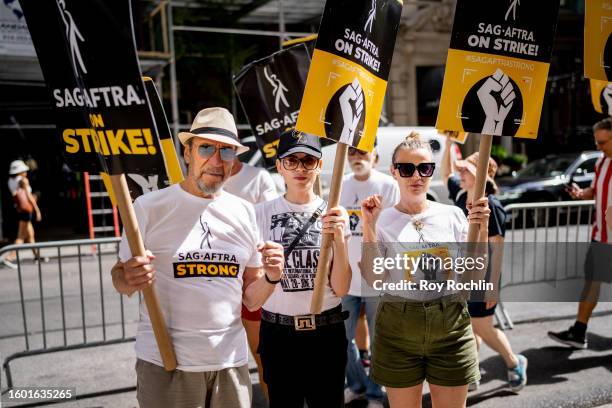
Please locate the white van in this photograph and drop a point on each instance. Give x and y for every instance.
(388, 138)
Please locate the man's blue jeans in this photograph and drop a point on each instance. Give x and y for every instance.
(356, 377)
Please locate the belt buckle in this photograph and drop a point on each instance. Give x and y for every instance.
(304, 322)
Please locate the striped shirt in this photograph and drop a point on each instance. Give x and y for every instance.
(602, 185)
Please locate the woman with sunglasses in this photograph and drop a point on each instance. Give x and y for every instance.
(420, 334)
(461, 191)
(303, 355)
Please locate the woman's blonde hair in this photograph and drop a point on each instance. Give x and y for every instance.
(412, 142)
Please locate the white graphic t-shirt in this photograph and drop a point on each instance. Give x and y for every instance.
(353, 193)
(201, 249)
(253, 184)
(281, 221)
(441, 224)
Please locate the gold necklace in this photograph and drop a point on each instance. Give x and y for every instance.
(417, 223)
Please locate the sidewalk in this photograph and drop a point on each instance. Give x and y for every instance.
(558, 377)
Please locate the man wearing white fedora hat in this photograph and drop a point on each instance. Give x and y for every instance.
(206, 258)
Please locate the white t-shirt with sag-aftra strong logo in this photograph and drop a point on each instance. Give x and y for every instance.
(201, 249)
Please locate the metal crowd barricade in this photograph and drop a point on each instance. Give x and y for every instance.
(63, 301)
(564, 222)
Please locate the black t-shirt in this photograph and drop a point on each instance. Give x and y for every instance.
(497, 219)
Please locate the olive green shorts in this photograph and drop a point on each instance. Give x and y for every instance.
(417, 341)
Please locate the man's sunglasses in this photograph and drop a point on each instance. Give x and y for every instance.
(206, 151)
(408, 169)
(353, 152)
(292, 162)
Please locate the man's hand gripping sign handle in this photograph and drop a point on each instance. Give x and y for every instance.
(128, 217)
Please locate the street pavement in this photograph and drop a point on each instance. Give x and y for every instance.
(558, 376)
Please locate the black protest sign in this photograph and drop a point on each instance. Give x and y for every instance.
(497, 67)
(348, 75)
(87, 55)
(270, 91)
(143, 183)
(171, 173)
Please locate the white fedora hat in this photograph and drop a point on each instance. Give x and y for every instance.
(18, 167)
(215, 124)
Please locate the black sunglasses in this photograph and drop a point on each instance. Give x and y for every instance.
(206, 151)
(292, 162)
(408, 169)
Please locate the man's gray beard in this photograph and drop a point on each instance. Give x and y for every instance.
(366, 168)
(210, 189)
(214, 189)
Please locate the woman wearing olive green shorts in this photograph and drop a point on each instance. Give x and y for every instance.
(420, 335)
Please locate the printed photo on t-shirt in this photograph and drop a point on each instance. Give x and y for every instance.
(354, 212)
(301, 264)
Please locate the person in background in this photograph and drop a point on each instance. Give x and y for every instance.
(461, 191)
(250, 183)
(363, 182)
(598, 267)
(254, 185)
(26, 207)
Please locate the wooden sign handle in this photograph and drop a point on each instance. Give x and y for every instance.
(484, 154)
(130, 224)
(327, 240)
(318, 187)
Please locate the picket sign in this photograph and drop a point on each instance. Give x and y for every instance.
(597, 44)
(270, 93)
(345, 91)
(495, 77)
(101, 108)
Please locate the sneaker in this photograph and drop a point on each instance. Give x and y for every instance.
(473, 386)
(350, 395)
(9, 264)
(569, 338)
(375, 404)
(517, 376)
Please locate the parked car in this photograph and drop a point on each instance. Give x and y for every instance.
(545, 180)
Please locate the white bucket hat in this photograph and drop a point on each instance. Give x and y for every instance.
(18, 167)
(215, 124)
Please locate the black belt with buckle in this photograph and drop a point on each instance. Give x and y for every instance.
(307, 322)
